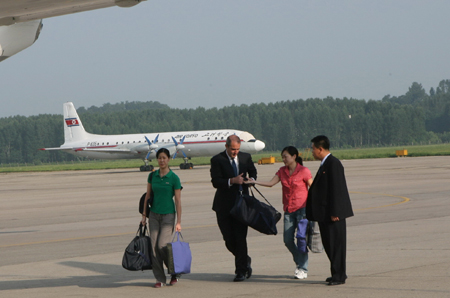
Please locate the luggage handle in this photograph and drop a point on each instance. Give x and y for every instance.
(259, 193)
(177, 234)
(140, 232)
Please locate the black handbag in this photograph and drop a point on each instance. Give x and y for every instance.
(137, 255)
(257, 215)
(149, 202)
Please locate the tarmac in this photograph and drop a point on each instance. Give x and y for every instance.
(63, 234)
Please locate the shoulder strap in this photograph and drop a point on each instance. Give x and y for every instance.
(259, 193)
(151, 180)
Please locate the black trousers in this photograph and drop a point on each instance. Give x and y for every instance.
(334, 239)
(235, 236)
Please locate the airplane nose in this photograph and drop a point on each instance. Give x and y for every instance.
(259, 145)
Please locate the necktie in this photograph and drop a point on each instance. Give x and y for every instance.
(233, 164)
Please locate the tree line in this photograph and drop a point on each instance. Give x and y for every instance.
(417, 117)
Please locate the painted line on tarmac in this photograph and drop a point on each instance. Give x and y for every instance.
(404, 200)
(62, 240)
(88, 237)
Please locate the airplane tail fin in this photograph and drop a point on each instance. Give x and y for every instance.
(73, 128)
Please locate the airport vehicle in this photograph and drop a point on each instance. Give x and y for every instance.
(21, 20)
(145, 145)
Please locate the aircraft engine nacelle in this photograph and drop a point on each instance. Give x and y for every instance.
(17, 37)
(127, 3)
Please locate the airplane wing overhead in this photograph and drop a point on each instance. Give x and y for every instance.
(21, 20)
(17, 11)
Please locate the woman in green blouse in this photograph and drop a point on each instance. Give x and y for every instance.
(165, 185)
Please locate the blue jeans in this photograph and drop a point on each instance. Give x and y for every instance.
(290, 227)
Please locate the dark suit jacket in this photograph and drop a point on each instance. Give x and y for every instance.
(221, 171)
(328, 195)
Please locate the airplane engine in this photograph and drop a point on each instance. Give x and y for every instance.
(127, 3)
(17, 37)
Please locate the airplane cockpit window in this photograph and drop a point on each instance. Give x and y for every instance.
(252, 141)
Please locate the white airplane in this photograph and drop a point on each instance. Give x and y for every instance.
(21, 20)
(144, 146)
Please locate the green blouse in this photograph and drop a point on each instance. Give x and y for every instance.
(164, 191)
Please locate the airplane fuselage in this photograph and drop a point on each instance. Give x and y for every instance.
(196, 143)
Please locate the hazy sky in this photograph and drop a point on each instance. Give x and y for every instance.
(214, 53)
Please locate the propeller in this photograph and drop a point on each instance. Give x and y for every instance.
(179, 147)
(151, 145)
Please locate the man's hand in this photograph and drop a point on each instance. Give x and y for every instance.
(238, 179)
(334, 218)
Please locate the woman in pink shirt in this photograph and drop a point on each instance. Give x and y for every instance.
(295, 180)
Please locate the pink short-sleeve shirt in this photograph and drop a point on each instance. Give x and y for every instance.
(295, 187)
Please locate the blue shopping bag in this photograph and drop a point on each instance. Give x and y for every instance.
(301, 235)
(179, 256)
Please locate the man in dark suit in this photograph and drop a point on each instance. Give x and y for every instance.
(329, 204)
(229, 169)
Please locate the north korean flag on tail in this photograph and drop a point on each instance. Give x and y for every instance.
(72, 122)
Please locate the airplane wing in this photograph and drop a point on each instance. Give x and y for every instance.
(18, 11)
(102, 150)
(56, 148)
(21, 20)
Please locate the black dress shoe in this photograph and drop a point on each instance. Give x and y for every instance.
(328, 279)
(249, 268)
(239, 277)
(336, 283)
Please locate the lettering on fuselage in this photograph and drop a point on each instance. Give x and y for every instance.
(220, 133)
(193, 135)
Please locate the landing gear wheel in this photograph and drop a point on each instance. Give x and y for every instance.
(146, 168)
(186, 166)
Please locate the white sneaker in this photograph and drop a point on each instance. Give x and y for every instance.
(300, 274)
